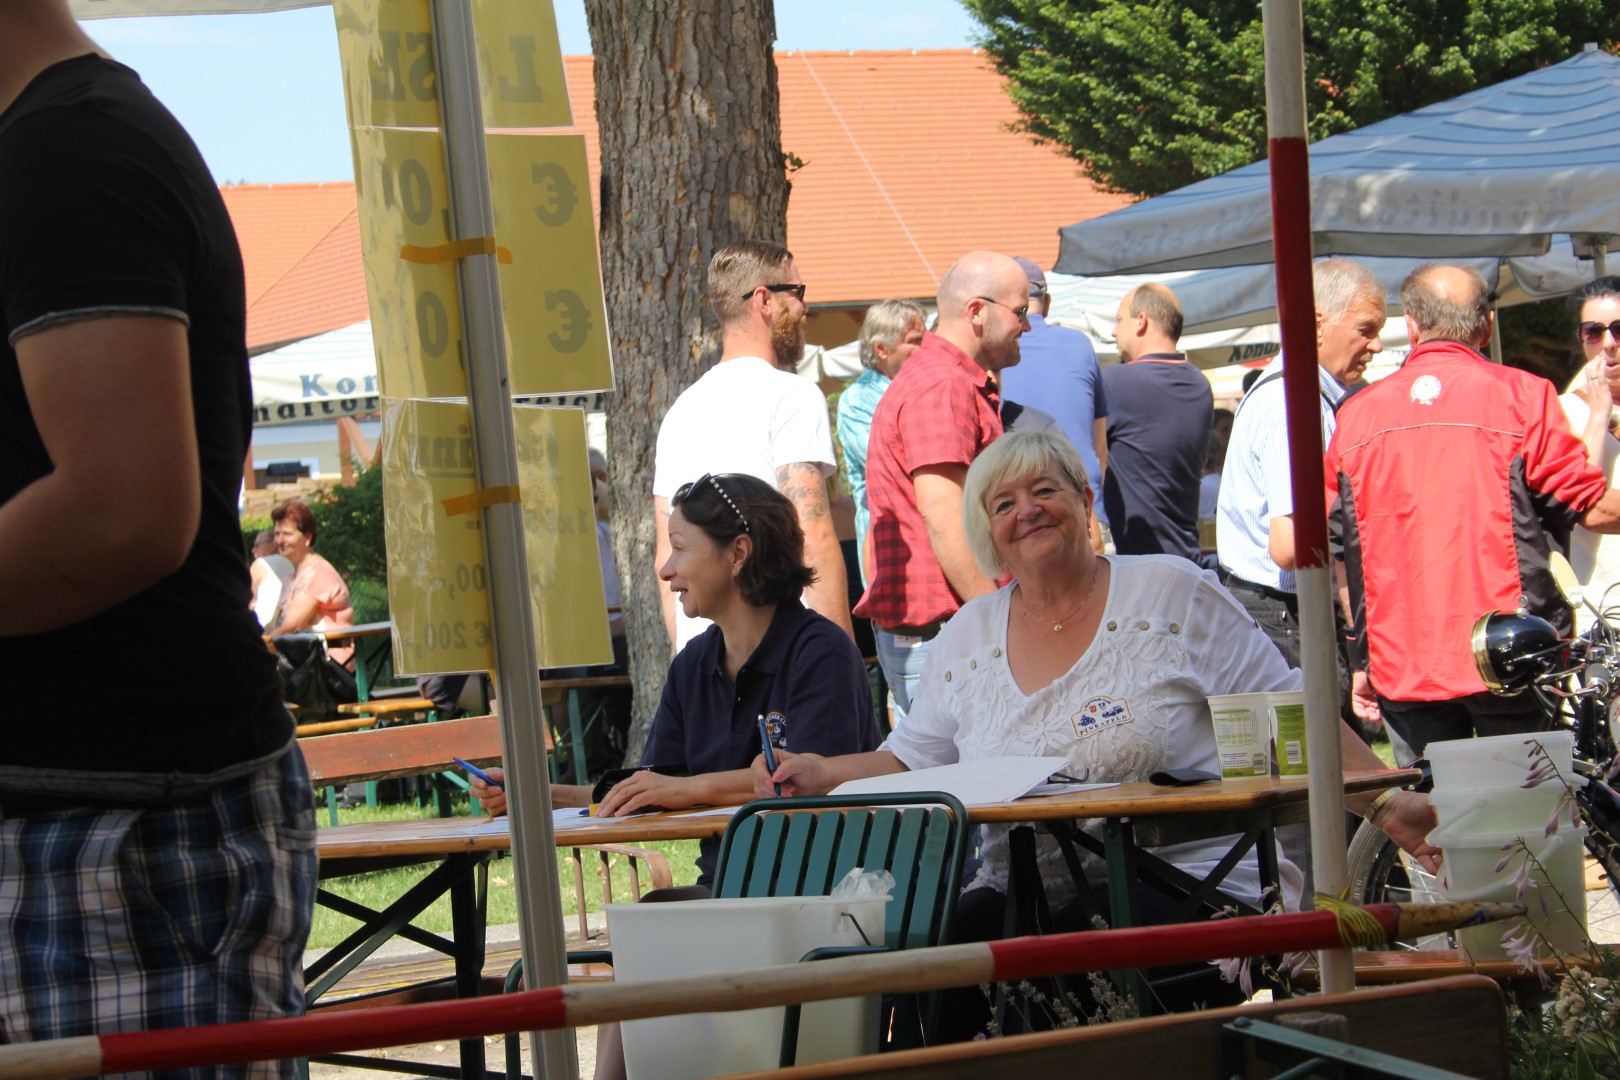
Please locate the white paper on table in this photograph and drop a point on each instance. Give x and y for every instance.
(575, 815)
(987, 780)
(492, 826)
(1060, 788)
(710, 811)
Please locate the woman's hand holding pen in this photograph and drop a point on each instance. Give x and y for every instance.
(798, 774)
(491, 797)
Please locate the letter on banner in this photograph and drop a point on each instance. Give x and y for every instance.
(438, 584)
(388, 63)
(386, 47)
(520, 68)
(415, 304)
(555, 317)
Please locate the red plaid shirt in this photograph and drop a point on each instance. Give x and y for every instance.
(941, 409)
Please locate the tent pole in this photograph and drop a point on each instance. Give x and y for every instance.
(534, 855)
(1296, 309)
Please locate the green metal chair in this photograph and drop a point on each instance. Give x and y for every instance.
(806, 846)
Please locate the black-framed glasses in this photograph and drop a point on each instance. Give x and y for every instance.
(779, 287)
(685, 491)
(1018, 312)
(1592, 332)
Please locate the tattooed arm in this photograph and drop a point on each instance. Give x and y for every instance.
(806, 489)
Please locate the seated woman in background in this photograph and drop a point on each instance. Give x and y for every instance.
(1105, 662)
(737, 558)
(315, 597)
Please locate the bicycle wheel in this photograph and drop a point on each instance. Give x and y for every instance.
(1602, 816)
(1381, 873)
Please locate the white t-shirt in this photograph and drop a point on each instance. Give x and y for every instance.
(1595, 557)
(1169, 638)
(278, 568)
(742, 416)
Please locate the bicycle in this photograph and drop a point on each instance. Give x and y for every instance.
(1576, 682)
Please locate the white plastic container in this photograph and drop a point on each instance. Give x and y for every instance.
(1497, 762)
(1286, 710)
(704, 937)
(1468, 872)
(1242, 734)
(1479, 783)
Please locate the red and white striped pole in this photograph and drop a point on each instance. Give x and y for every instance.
(553, 1007)
(1296, 311)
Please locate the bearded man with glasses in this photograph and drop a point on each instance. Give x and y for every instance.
(751, 413)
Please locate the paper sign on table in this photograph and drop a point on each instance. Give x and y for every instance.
(988, 780)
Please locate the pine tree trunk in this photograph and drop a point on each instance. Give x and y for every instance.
(688, 110)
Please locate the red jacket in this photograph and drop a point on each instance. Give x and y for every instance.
(1447, 485)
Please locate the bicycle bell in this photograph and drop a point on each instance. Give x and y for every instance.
(1512, 649)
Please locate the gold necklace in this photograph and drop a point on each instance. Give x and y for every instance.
(1057, 624)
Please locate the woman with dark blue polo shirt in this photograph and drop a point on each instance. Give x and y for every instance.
(737, 559)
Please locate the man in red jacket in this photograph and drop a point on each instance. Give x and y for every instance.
(1448, 484)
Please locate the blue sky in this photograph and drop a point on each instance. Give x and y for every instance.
(263, 97)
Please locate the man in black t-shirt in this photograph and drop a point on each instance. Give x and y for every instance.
(149, 764)
(1159, 413)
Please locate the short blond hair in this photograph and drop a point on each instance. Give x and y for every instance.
(1018, 453)
(736, 270)
(1160, 306)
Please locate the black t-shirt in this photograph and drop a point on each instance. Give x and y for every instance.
(805, 677)
(1159, 417)
(106, 208)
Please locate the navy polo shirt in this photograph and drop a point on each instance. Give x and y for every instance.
(806, 677)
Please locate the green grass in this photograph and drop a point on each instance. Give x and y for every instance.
(376, 890)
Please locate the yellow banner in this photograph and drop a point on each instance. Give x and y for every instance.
(415, 296)
(438, 584)
(520, 67)
(389, 65)
(555, 317)
(386, 47)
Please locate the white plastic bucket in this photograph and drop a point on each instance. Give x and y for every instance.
(704, 937)
(1498, 762)
(1468, 872)
(1242, 734)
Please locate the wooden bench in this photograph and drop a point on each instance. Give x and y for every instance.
(417, 749)
(555, 691)
(390, 707)
(1457, 1024)
(1385, 967)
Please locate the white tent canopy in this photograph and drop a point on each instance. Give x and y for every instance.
(1497, 172)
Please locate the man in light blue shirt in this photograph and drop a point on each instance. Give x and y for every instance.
(1059, 374)
(1254, 525)
(890, 333)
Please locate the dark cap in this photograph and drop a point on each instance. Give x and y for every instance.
(1037, 278)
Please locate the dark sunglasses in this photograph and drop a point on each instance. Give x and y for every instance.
(796, 290)
(685, 491)
(1592, 332)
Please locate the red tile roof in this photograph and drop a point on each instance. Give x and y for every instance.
(909, 161)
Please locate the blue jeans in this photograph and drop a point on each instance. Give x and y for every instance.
(901, 659)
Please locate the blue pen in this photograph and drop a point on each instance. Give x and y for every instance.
(480, 773)
(770, 754)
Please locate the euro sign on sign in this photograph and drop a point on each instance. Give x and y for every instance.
(538, 185)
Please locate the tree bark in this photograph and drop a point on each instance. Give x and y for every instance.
(689, 115)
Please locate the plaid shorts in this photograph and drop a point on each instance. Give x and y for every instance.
(174, 916)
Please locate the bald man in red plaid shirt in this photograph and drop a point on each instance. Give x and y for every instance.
(941, 410)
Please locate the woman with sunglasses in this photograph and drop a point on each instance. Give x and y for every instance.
(737, 558)
(1589, 404)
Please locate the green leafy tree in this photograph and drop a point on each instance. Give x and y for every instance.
(1151, 95)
